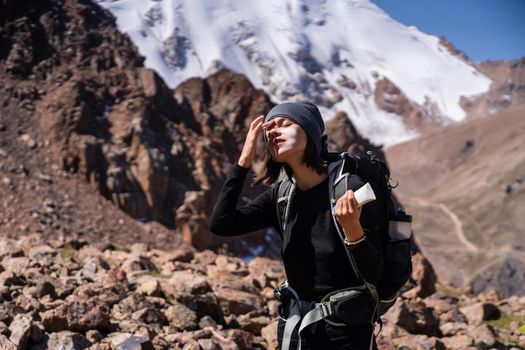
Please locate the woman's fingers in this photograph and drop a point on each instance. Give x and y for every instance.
(352, 203)
(249, 149)
(347, 204)
(269, 124)
(257, 123)
(344, 204)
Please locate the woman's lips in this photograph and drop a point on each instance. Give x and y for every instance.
(278, 142)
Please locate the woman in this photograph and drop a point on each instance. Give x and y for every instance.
(313, 255)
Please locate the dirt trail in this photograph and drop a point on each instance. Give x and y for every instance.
(453, 217)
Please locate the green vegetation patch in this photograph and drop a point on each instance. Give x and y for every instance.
(505, 321)
(68, 254)
(521, 329)
(158, 274)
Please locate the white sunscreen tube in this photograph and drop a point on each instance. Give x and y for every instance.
(365, 194)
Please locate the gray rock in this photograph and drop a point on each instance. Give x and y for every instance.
(182, 317)
(128, 341)
(89, 269)
(66, 340)
(20, 330)
(135, 343)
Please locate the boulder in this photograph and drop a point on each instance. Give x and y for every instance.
(127, 341)
(237, 302)
(181, 317)
(185, 281)
(78, 315)
(21, 330)
(423, 276)
(479, 312)
(66, 340)
(416, 318)
(149, 315)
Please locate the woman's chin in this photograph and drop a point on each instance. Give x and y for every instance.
(282, 155)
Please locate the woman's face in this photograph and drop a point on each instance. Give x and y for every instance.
(286, 139)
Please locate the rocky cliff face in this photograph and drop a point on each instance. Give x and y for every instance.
(75, 91)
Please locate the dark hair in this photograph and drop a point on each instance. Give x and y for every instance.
(311, 157)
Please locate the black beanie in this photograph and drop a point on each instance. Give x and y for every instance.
(305, 114)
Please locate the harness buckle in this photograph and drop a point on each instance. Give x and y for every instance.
(326, 309)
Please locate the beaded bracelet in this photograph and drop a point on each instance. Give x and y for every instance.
(354, 243)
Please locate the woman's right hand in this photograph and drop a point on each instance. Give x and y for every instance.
(249, 149)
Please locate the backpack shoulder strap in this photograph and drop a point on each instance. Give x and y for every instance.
(338, 186)
(339, 170)
(283, 197)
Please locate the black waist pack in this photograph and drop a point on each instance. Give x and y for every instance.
(350, 306)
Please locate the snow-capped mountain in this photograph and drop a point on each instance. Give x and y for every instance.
(335, 53)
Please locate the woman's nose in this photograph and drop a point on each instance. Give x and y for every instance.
(272, 133)
(272, 130)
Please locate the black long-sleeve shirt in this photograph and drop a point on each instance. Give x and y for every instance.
(314, 258)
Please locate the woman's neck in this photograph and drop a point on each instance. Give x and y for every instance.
(306, 177)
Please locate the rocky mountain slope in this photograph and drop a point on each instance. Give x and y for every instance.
(72, 295)
(76, 100)
(465, 188)
(507, 90)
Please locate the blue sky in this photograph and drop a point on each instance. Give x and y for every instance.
(483, 29)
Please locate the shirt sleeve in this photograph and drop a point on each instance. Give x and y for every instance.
(368, 255)
(229, 220)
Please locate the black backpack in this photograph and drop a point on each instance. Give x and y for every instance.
(393, 223)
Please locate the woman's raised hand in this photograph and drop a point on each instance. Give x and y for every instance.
(249, 149)
(348, 212)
